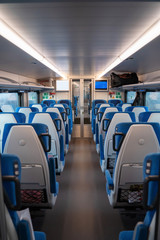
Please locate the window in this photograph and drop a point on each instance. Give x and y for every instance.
(153, 101)
(131, 96)
(9, 99)
(32, 98)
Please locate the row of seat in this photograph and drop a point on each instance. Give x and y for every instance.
(40, 146)
(123, 140)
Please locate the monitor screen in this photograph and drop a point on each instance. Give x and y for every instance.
(101, 85)
(62, 85)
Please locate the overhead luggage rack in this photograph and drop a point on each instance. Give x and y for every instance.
(139, 86)
(7, 84)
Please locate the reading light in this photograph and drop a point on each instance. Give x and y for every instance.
(16, 39)
(148, 36)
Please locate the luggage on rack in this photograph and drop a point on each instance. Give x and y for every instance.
(123, 79)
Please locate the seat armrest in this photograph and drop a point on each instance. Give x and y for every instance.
(52, 173)
(110, 184)
(101, 148)
(61, 140)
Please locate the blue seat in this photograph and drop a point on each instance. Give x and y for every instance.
(68, 106)
(54, 124)
(92, 112)
(69, 120)
(7, 108)
(9, 118)
(48, 102)
(20, 229)
(39, 106)
(64, 130)
(151, 116)
(27, 111)
(99, 119)
(137, 110)
(132, 142)
(124, 105)
(151, 174)
(107, 154)
(115, 101)
(31, 142)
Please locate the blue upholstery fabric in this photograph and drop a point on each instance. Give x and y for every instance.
(61, 140)
(119, 104)
(111, 114)
(123, 127)
(68, 102)
(33, 109)
(7, 164)
(130, 109)
(20, 117)
(94, 102)
(53, 184)
(126, 235)
(115, 101)
(24, 232)
(144, 116)
(40, 235)
(151, 167)
(48, 102)
(39, 128)
(52, 114)
(101, 149)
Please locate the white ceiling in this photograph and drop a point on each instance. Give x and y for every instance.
(80, 38)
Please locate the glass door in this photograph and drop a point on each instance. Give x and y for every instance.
(81, 102)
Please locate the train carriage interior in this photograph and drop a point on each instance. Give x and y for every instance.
(79, 120)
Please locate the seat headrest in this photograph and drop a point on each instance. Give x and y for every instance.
(124, 127)
(52, 114)
(38, 127)
(144, 116)
(131, 108)
(115, 101)
(20, 117)
(111, 114)
(48, 102)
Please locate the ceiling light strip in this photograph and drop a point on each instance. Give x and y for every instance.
(148, 36)
(12, 36)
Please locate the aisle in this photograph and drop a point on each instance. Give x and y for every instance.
(82, 211)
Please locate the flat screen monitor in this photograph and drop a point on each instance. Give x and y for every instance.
(101, 85)
(62, 85)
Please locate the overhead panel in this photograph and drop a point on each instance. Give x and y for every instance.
(80, 38)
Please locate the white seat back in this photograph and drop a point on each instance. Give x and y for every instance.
(59, 105)
(7, 108)
(154, 117)
(5, 118)
(26, 111)
(39, 106)
(23, 141)
(109, 153)
(125, 105)
(46, 119)
(111, 109)
(137, 111)
(139, 141)
(62, 132)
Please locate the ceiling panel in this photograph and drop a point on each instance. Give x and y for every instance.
(80, 38)
(144, 61)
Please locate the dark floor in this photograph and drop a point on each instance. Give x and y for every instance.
(82, 210)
